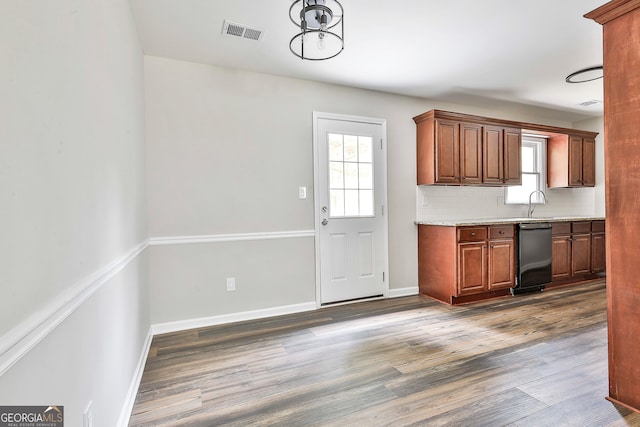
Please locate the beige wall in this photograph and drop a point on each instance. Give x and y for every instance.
(227, 150)
(72, 197)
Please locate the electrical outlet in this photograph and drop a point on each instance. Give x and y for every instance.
(231, 284)
(87, 417)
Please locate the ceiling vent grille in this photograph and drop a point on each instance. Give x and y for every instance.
(589, 103)
(238, 30)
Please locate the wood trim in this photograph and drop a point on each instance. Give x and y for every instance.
(526, 127)
(465, 299)
(612, 10)
(129, 401)
(403, 292)
(20, 340)
(624, 405)
(221, 238)
(202, 322)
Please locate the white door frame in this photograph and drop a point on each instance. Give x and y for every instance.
(316, 193)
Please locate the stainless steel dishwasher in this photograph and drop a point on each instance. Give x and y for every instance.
(534, 257)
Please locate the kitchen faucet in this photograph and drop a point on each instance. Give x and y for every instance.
(532, 207)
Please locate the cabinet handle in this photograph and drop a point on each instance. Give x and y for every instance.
(473, 234)
(501, 232)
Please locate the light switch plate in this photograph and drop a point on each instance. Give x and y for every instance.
(302, 192)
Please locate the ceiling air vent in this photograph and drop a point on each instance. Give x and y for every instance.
(591, 102)
(238, 30)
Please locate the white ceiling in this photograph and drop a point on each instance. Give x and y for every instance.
(464, 51)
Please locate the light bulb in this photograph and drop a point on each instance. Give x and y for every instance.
(321, 44)
(323, 22)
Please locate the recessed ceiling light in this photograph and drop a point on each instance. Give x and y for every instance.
(585, 75)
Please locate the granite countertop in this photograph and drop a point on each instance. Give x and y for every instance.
(499, 221)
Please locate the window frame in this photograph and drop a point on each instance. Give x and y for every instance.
(539, 144)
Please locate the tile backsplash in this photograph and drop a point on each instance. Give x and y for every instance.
(465, 202)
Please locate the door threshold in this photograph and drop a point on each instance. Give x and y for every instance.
(349, 301)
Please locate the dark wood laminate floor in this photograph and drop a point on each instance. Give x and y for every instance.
(533, 360)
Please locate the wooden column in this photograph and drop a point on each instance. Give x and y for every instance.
(621, 34)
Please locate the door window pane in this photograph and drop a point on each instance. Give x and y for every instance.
(351, 175)
(335, 147)
(336, 175)
(364, 149)
(366, 202)
(366, 176)
(350, 148)
(351, 203)
(336, 204)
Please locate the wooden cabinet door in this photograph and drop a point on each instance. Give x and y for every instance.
(470, 153)
(588, 162)
(561, 257)
(493, 152)
(575, 161)
(598, 258)
(512, 157)
(501, 264)
(472, 275)
(447, 152)
(581, 254)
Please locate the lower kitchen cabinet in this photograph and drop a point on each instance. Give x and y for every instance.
(460, 264)
(580, 254)
(502, 263)
(577, 251)
(561, 251)
(471, 268)
(598, 247)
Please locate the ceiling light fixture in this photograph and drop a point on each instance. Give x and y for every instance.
(585, 75)
(315, 19)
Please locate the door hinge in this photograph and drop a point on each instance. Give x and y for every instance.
(381, 143)
(382, 210)
(383, 276)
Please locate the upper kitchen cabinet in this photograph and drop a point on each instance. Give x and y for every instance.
(459, 149)
(455, 150)
(502, 160)
(571, 161)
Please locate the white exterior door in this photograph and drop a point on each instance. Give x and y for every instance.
(351, 197)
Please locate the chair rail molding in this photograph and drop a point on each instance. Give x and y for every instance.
(27, 334)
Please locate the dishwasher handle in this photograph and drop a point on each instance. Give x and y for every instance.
(534, 226)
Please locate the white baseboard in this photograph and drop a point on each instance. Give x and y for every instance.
(127, 407)
(403, 292)
(181, 325)
(27, 334)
